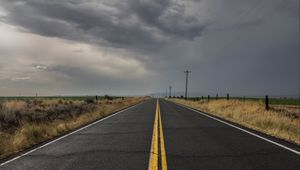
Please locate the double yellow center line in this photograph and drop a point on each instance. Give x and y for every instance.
(157, 131)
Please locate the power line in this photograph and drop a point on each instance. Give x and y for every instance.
(186, 82)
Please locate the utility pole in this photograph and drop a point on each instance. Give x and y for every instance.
(186, 82)
(170, 88)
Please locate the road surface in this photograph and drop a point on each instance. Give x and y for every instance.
(158, 135)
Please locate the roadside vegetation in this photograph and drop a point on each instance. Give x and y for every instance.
(280, 121)
(24, 123)
(72, 98)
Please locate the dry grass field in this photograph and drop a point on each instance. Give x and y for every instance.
(26, 123)
(280, 121)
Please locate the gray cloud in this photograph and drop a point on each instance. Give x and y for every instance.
(138, 24)
(170, 17)
(237, 46)
(41, 67)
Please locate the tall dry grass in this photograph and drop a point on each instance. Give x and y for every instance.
(24, 124)
(251, 114)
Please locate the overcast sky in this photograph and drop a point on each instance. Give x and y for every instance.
(121, 47)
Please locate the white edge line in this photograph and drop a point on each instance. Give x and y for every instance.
(66, 135)
(241, 129)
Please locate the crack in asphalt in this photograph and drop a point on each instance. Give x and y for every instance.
(257, 153)
(111, 133)
(86, 153)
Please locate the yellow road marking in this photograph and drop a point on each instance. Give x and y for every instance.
(162, 144)
(153, 160)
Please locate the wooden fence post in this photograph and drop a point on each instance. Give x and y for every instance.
(267, 102)
(227, 96)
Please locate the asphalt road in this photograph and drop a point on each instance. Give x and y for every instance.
(125, 141)
(119, 142)
(194, 141)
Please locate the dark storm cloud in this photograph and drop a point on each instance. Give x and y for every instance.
(169, 17)
(137, 24)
